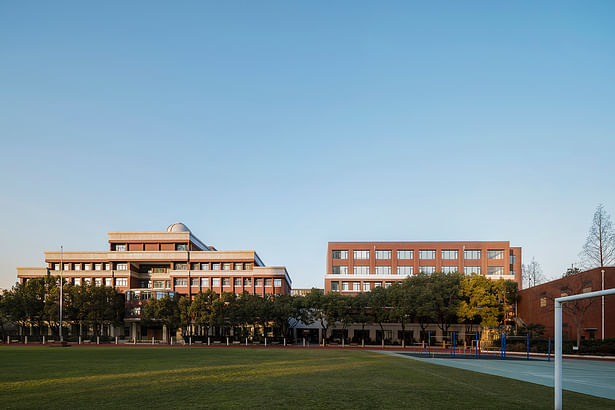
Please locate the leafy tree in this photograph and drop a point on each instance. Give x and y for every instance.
(599, 248)
(164, 311)
(479, 302)
(420, 290)
(202, 310)
(361, 312)
(446, 299)
(403, 307)
(379, 307)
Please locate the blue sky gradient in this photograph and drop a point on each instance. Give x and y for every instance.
(280, 126)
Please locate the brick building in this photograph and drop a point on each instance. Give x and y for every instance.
(354, 267)
(536, 304)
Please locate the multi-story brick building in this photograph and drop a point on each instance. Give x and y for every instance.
(536, 304)
(354, 267)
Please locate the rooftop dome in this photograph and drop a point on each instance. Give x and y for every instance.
(178, 227)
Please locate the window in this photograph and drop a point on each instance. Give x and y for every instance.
(361, 254)
(404, 270)
(167, 284)
(468, 270)
(512, 272)
(205, 282)
(181, 281)
(158, 270)
(87, 281)
(98, 266)
(121, 281)
(405, 254)
(158, 284)
(495, 270)
(428, 254)
(377, 284)
(247, 266)
(383, 254)
(194, 265)
(450, 254)
(247, 281)
(77, 266)
(495, 254)
(277, 283)
(587, 289)
(226, 281)
(181, 266)
(204, 266)
(471, 254)
(513, 258)
(67, 266)
(361, 270)
(226, 266)
(87, 266)
(388, 284)
(383, 270)
(77, 281)
(268, 282)
(215, 266)
(56, 266)
(340, 270)
(237, 281)
(120, 247)
(345, 286)
(121, 266)
(335, 286)
(258, 282)
(215, 281)
(239, 266)
(107, 266)
(428, 270)
(340, 254)
(194, 282)
(450, 269)
(356, 286)
(543, 301)
(181, 246)
(108, 281)
(366, 287)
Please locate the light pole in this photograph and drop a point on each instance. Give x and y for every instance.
(61, 287)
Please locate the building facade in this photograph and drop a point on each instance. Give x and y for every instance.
(354, 267)
(536, 305)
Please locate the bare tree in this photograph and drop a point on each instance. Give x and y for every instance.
(599, 248)
(532, 274)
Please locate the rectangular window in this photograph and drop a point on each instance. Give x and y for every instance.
(513, 258)
(388, 284)
(226, 281)
(67, 266)
(340, 254)
(107, 266)
(204, 266)
(405, 254)
(87, 266)
(194, 282)
(215, 266)
(121, 266)
(247, 281)
(239, 266)
(468, 270)
(98, 266)
(345, 286)
(258, 282)
(543, 301)
(77, 266)
(77, 281)
(268, 282)
(120, 247)
(237, 282)
(181, 281)
(428, 270)
(335, 286)
(366, 287)
(56, 266)
(450, 254)
(471, 254)
(495, 270)
(109, 282)
(356, 286)
(181, 246)
(383, 254)
(87, 281)
(158, 270)
(215, 282)
(277, 283)
(226, 266)
(495, 254)
(98, 281)
(181, 266)
(121, 281)
(194, 265)
(383, 270)
(361, 270)
(427, 254)
(340, 270)
(404, 270)
(205, 282)
(450, 269)
(377, 284)
(361, 254)
(158, 284)
(247, 266)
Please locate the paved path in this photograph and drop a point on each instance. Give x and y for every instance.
(593, 377)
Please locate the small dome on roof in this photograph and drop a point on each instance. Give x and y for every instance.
(178, 227)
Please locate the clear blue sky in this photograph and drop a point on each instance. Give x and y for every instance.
(280, 126)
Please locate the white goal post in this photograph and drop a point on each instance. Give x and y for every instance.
(558, 337)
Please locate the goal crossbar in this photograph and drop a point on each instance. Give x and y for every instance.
(558, 337)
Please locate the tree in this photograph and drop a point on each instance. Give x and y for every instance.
(164, 311)
(479, 302)
(571, 271)
(445, 290)
(532, 274)
(202, 310)
(576, 308)
(403, 307)
(421, 292)
(599, 248)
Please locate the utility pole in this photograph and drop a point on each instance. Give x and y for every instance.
(61, 287)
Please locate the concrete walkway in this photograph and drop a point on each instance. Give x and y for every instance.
(593, 377)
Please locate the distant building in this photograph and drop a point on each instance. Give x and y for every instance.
(536, 304)
(354, 267)
(302, 292)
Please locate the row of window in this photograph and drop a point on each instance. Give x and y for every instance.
(88, 266)
(214, 266)
(123, 247)
(224, 282)
(177, 266)
(423, 254)
(409, 270)
(356, 286)
(100, 281)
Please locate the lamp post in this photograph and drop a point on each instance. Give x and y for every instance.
(61, 287)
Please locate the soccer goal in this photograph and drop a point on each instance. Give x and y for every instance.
(558, 337)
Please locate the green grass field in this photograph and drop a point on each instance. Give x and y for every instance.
(124, 377)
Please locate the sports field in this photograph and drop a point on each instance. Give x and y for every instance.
(142, 377)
